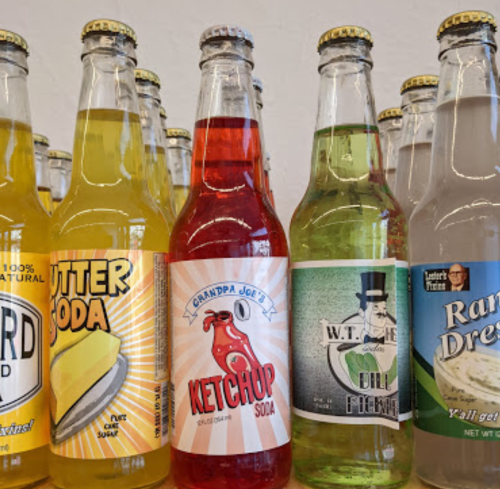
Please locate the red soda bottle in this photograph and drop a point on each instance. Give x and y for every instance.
(229, 266)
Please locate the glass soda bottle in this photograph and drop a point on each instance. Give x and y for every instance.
(24, 284)
(148, 87)
(267, 167)
(414, 160)
(108, 298)
(60, 175)
(351, 375)
(42, 171)
(163, 121)
(389, 124)
(455, 257)
(179, 155)
(230, 373)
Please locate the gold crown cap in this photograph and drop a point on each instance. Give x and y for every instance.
(57, 154)
(467, 17)
(163, 112)
(419, 81)
(392, 113)
(227, 31)
(177, 132)
(111, 27)
(41, 139)
(147, 75)
(345, 32)
(16, 39)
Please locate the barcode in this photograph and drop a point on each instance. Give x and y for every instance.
(164, 409)
(161, 318)
(172, 402)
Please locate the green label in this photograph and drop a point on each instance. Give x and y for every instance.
(351, 341)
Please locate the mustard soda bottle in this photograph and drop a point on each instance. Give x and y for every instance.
(389, 124)
(42, 170)
(24, 283)
(108, 298)
(179, 155)
(60, 175)
(148, 88)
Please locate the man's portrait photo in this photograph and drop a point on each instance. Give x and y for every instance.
(458, 278)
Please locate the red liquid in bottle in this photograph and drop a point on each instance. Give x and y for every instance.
(227, 216)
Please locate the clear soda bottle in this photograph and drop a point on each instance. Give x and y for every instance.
(455, 257)
(24, 288)
(179, 155)
(414, 160)
(42, 171)
(230, 371)
(60, 175)
(389, 123)
(351, 360)
(108, 289)
(163, 121)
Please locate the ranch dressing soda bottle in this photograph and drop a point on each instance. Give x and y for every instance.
(455, 256)
(389, 124)
(414, 161)
(108, 290)
(42, 171)
(24, 283)
(229, 273)
(351, 375)
(60, 175)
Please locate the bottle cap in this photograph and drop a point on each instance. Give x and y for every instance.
(420, 81)
(147, 75)
(108, 26)
(16, 39)
(344, 33)
(163, 113)
(464, 18)
(225, 31)
(56, 154)
(41, 139)
(177, 132)
(257, 84)
(392, 113)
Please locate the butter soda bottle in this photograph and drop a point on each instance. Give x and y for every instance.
(179, 155)
(389, 123)
(60, 175)
(108, 299)
(229, 266)
(455, 257)
(351, 346)
(42, 171)
(24, 284)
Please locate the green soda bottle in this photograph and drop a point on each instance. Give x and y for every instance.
(351, 355)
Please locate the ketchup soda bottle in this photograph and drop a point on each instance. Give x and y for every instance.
(229, 265)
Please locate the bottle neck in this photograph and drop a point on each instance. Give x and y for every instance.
(42, 166)
(390, 137)
(419, 114)
(179, 156)
(59, 178)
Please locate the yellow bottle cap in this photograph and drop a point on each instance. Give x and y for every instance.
(419, 81)
(468, 17)
(41, 139)
(176, 132)
(147, 75)
(392, 113)
(16, 39)
(343, 33)
(56, 154)
(163, 112)
(110, 27)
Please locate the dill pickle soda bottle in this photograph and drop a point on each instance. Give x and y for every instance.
(351, 375)
(24, 283)
(148, 87)
(60, 175)
(179, 155)
(42, 171)
(389, 124)
(414, 158)
(455, 257)
(108, 298)
(230, 346)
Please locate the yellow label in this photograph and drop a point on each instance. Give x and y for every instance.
(108, 353)
(24, 360)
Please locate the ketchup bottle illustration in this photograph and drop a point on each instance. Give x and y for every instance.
(231, 348)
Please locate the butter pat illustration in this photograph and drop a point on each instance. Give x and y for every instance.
(78, 368)
(66, 339)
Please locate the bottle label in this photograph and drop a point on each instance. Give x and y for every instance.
(24, 415)
(351, 342)
(456, 320)
(108, 352)
(230, 373)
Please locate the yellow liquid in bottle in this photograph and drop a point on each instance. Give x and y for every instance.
(24, 227)
(181, 194)
(55, 203)
(104, 212)
(46, 198)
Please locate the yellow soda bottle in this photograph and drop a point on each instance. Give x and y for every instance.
(60, 175)
(148, 88)
(179, 155)
(42, 171)
(24, 283)
(108, 299)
